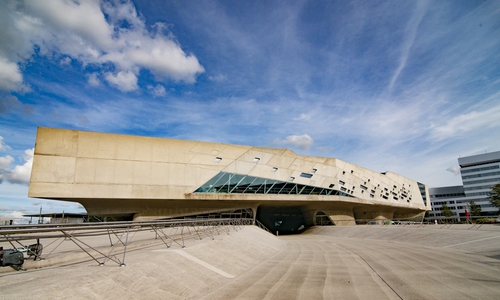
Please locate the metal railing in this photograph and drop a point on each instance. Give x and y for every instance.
(120, 234)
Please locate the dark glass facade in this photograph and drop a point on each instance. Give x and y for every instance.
(230, 183)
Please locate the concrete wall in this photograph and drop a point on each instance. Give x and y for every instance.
(144, 177)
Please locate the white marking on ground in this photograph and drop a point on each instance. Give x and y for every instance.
(473, 241)
(198, 261)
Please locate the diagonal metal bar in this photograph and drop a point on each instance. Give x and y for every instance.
(77, 241)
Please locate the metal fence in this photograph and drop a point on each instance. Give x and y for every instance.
(120, 235)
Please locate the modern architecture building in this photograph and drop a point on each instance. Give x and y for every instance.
(140, 178)
(479, 173)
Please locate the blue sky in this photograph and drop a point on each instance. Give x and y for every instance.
(404, 86)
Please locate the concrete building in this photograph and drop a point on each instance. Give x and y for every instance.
(6, 220)
(57, 218)
(451, 196)
(479, 173)
(140, 178)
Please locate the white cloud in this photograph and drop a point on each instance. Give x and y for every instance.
(303, 142)
(93, 79)
(82, 22)
(16, 214)
(3, 146)
(6, 161)
(10, 76)
(81, 31)
(157, 91)
(21, 173)
(124, 81)
(19, 217)
(65, 61)
(163, 57)
(454, 169)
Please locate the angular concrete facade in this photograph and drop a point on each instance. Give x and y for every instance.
(139, 178)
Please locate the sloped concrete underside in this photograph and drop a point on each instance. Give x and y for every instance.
(359, 262)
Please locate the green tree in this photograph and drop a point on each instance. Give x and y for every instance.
(475, 210)
(495, 196)
(446, 211)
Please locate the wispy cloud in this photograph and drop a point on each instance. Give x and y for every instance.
(410, 35)
(3, 146)
(157, 91)
(468, 122)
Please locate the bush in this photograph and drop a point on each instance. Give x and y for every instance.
(485, 221)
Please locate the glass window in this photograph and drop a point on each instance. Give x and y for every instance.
(276, 187)
(208, 187)
(237, 183)
(254, 186)
(307, 190)
(266, 186)
(287, 188)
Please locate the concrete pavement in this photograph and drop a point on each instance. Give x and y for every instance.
(356, 262)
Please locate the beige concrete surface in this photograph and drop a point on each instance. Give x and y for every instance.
(357, 262)
(143, 178)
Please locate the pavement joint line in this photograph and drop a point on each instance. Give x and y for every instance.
(198, 261)
(374, 272)
(473, 241)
